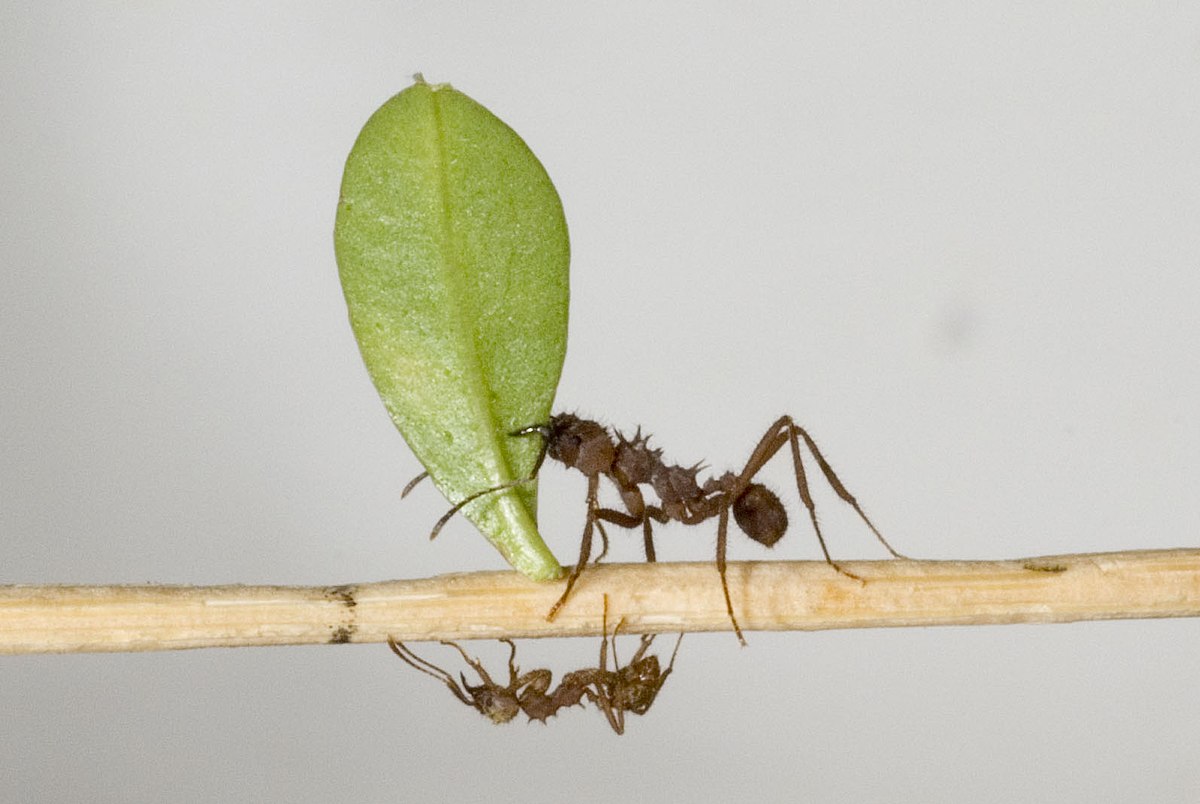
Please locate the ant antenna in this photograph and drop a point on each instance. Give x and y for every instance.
(540, 429)
(412, 484)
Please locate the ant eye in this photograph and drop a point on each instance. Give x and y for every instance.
(540, 429)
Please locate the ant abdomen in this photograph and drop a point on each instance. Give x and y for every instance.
(760, 514)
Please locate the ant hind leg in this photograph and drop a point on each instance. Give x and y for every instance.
(835, 482)
(722, 539)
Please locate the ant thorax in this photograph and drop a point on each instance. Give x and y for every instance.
(636, 462)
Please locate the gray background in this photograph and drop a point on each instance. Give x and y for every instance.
(960, 245)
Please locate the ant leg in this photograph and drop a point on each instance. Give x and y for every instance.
(604, 637)
(618, 518)
(603, 540)
(806, 498)
(428, 668)
(659, 516)
(475, 664)
(627, 520)
(722, 538)
(412, 484)
(615, 714)
(601, 696)
(777, 435)
(648, 540)
(512, 660)
(674, 653)
(623, 520)
(585, 546)
(631, 495)
(647, 640)
(616, 629)
(834, 481)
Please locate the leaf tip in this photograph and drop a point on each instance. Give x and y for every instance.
(419, 81)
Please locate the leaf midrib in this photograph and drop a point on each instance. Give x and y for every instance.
(463, 308)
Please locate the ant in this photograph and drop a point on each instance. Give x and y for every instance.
(631, 688)
(630, 463)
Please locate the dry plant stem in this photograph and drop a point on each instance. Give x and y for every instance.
(654, 598)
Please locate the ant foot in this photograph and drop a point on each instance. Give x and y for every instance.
(843, 571)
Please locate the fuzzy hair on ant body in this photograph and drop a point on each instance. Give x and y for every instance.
(631, 464)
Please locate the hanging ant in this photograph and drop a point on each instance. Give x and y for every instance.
(631, 688)
(630, 463)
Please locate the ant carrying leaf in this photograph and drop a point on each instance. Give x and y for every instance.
(630, 464)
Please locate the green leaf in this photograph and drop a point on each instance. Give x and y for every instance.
(452, 249)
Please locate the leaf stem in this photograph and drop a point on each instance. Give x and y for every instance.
(665, 597)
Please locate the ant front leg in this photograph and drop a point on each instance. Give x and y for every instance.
(596, 516)
(585, 545)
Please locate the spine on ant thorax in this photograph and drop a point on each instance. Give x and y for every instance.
(630, 462)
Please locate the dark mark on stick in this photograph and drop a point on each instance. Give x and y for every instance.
(343, 630)
(342, 635)
(344, 593)
(1034, 566)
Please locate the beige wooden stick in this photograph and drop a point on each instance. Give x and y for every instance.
(667, 597)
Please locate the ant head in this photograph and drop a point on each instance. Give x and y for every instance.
(577, 443)
(500, 705)
(760, 514)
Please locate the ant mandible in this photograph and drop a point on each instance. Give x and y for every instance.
(630, 463)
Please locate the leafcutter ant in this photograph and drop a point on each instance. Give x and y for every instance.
(630, 464)
(631, 688)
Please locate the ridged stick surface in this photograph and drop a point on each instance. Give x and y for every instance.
(659, 598)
